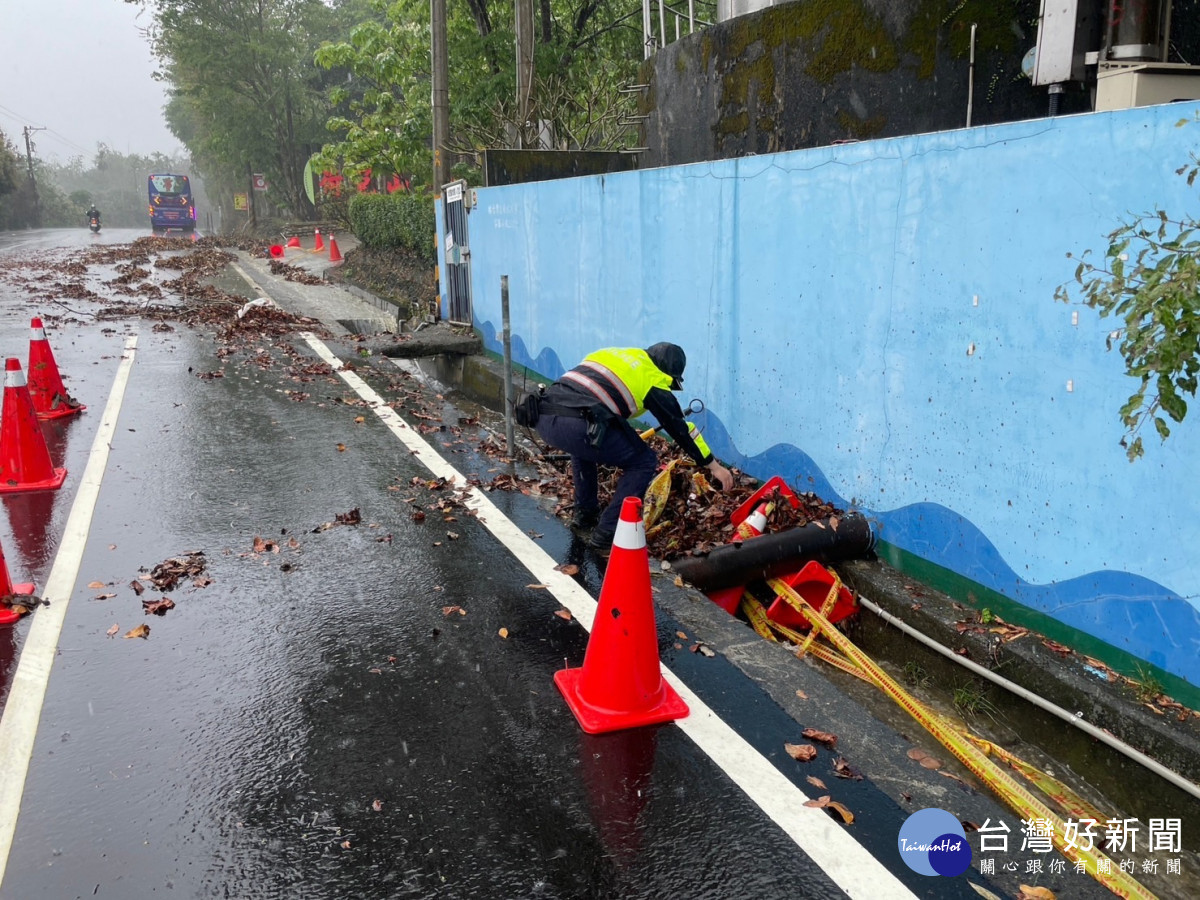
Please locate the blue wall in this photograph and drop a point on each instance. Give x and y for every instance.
(876, 322)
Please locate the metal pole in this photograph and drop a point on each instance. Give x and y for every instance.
(510, 441)
(971, 77)
(647, 35)
(662, 25)
(440, 83)
(691, 16)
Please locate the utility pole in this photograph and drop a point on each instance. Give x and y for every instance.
(524, 28)
(37, 203)
(250, 196)
(441, 93)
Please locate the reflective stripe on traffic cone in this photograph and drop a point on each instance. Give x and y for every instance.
(320, 244)
(9, 591)
(24, 458)
(46, 391)
(621, 683)
(335, 255)
(751, 527)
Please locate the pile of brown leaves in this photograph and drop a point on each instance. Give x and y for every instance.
(697, 514)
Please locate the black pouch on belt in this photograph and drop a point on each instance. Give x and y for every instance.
(527, 410)
(597, 417)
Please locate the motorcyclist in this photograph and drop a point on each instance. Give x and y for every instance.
(93, 213)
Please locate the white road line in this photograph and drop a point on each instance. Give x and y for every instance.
(23, 709)
(850, 865)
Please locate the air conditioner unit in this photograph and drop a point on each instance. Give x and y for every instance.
(1126, 85)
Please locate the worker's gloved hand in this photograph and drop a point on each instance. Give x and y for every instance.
(723, 475)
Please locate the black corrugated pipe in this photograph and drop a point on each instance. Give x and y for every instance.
(1056, 92)
(772, 555)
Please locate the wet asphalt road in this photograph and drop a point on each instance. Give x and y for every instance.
(310, 723)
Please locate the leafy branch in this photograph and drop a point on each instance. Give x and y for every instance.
(1150, 281)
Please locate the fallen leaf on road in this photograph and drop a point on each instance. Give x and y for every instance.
(819, 803)
(703, 649)
(450, 610)
(115, 628)
(567, 569)
(847, 816)
(358, 420)
(1035, 893)
(917, 753)
(137, 586)
(377, 805)
(801, 694)
(504, 633)
(843, 769)
(816, 782)
(538, 587)
(95, 585)
(157, 607)
(801, 752)
(821, 737)
(341, 448)
(142, 631)
(104, 596)
(563, 614)
(931, 762)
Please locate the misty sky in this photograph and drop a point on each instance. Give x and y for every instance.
(81, 69)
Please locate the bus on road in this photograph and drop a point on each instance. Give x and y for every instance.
(171, 203)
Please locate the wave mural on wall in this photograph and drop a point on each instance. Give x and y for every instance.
(1128, 611)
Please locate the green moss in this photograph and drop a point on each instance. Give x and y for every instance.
(736, 124)
(933, 30)
(830, 35)
(681, 65)
(863, 129)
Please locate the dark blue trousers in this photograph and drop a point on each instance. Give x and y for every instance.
(621, 448)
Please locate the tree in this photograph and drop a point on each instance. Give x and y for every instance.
(587, 50)
(245, 94)
(1150, 280)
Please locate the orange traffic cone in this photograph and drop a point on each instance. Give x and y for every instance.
(46, 390)
(320, 244)
(293, 241)
(621, 683)
(751, 527)
(335, 255)
(24, 459)
(8, 590)
(276, 251)
(813, 582)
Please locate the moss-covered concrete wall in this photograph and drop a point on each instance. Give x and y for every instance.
(812, 72)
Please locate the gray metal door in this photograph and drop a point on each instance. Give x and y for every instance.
(457, 250)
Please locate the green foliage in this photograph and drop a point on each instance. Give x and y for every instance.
(1150, 281)
(585, 51)
(245, 94)
(391, 221)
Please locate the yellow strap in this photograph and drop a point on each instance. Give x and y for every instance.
(975, 760)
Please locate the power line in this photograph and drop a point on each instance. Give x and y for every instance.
(17, 117)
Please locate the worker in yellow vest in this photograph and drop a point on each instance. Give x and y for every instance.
(586, 414)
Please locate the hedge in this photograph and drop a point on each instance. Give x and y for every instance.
(392, 221)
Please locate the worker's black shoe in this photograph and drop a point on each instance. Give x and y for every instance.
(600, 543)
(585, 519)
